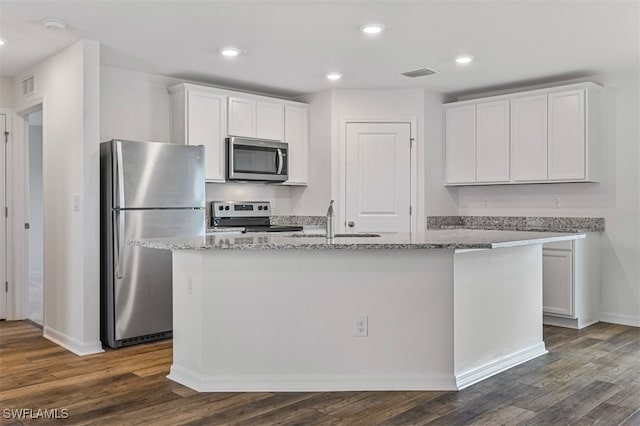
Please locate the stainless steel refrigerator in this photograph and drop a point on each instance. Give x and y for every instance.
(148, 190)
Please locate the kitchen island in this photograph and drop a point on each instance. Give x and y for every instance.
(434, 311)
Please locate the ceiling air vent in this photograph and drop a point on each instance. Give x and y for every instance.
(28, 86)
(419, 73)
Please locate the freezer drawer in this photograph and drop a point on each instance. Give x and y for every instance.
(139, 295)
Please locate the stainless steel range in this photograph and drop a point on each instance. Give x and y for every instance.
(253, 216)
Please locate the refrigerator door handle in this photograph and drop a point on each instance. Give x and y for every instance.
(119, 166)
(119, 241)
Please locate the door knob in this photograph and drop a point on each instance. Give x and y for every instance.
(351, 224)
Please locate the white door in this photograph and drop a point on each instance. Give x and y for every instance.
(378, 177)
(3, 219)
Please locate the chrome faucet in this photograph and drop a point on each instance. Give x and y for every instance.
(331, 222)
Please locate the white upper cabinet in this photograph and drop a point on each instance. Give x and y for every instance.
(529, 138)
(256, 118)
(492, 142)
(242, 117)
(460, 153)
(296, 135)
(270, 120)
(199, 118)
(477, 143)
(566, 135)
(203, 115)
(540, 136)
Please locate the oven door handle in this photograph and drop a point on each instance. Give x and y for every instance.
(279, 162)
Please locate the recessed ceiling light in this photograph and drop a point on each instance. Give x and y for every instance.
(54, 24)
(2, 41)
(464, 59)
(372, 28)
(230, 51)
(334, 76)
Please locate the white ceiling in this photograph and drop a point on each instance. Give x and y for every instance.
(289, 46)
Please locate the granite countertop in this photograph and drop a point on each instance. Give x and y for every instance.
(452, 239)
(518, 223)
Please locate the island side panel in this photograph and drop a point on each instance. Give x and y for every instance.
(497, 310)
(284, 320)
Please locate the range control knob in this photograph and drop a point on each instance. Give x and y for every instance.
(259, 207)
(220, 208)
(226, 207)
(266, 207)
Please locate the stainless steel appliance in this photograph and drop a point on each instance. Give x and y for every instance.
(253, 216)
(147, 190)
(250, 159)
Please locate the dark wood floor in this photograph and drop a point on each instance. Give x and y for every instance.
(591, 376)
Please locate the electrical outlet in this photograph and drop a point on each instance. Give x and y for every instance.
(485, 203)
(556, 202)
(362, 326)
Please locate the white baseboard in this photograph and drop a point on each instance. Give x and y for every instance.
(477, 374)
(312, 383)
(567, 322)
(631, 320)
(71, 344)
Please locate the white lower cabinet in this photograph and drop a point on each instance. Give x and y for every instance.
(571, 282)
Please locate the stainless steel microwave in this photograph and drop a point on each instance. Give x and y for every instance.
(251, 159)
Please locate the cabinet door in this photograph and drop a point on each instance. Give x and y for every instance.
(566, 135)
(557, 282)
(492, 142)
(296, 134)
(205, 126)
(460, 144)
(529, 138)
(242, 117)
(270, 120)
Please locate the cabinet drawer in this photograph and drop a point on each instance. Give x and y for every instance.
(559, 245)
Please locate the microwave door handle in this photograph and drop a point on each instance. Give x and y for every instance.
(279, 161)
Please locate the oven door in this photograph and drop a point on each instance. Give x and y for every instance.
(257, 160)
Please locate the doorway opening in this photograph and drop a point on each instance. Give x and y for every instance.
(35, 239)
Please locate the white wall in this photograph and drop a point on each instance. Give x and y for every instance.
(134, 105)
(68, 85)
(439, 200)
(616, 198)
(6, 92)
(314, 199)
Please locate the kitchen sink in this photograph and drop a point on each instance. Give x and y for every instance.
(337, 235)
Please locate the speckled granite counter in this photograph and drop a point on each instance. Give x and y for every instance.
(437, 239)
(518, 223)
